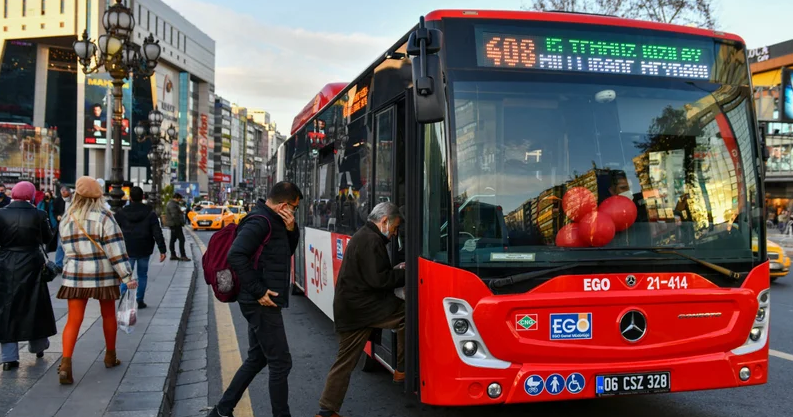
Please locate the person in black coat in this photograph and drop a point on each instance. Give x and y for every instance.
(4, 200)
(364, 300)
(141, 228)
(25, 307)
(264, 292)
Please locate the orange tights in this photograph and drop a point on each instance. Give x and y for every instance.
(75, 320)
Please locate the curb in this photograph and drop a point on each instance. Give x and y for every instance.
(169, 390)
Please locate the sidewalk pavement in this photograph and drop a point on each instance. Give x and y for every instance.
(142, 386)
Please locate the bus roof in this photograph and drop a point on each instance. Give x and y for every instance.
(316, 104)
(577, 18)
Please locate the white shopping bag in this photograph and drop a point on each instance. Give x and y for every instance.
(127, 314)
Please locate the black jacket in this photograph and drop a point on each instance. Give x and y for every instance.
(367, 280)
(59, 208)
(5, 201)
(173, 215)
(141, 229)
(25, 307)
(275, 263)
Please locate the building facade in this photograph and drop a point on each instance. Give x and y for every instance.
(41, 85)
(768, 64)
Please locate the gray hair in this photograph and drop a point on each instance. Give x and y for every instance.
(385, 209)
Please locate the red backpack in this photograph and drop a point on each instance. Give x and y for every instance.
(217, 271)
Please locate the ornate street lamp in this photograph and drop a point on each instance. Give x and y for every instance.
(159, 154)
(119, 56)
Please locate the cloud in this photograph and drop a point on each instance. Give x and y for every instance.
(277, 68)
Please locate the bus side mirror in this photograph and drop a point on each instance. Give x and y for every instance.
(429, 93)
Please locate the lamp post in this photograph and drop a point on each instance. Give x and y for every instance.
(152, 131)
(119, 56)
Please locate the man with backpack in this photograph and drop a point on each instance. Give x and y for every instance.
(142, 230)
(260, 257)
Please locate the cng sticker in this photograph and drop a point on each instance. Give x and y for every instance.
(525, 322)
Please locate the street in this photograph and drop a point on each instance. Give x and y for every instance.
(313, 347)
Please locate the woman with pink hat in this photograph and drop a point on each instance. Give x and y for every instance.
(96, 262)
(25, 307)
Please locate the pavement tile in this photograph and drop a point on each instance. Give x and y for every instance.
(152, 357)
(45, 407)
(189, 408)
(156, 347)
(187, 391)
(192, 365)
(159, 337)
(196, 337)
(193, 354)
(138, 413)
(191, 377)
(198, 344)
(148, 370)
(134, 401)
(142, 384)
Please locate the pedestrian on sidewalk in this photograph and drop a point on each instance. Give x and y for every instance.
(25, 306)
(62, 204)
(47, 205)
(175, 220)
(265, 291)
(364, 299)
(142, 230)
(4, 199)
(96, 259)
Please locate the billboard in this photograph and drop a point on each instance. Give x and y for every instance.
(29, 153)
(99, 114)
(786, 109)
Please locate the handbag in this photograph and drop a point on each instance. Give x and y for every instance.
(49, 270)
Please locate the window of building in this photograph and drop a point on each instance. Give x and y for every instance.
(5, 9)
(156, 26)
(63, 6)
(140, 10)
(148, 20)
(163, 29)
(178, 40)
(63, 24)
(43, 8)
(24, 27)
(171, 40)
(24, 10)
(42, 25)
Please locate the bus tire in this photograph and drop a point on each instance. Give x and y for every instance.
(368, 363)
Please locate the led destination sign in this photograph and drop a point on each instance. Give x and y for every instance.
(619, 54)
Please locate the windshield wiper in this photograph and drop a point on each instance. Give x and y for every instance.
(720, 269)
(528, 276)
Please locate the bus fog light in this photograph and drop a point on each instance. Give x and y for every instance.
(460, 326)
(764, 297)
(494, 390)
(755, 334)
(745, 374)
(760, 314)
(469, 348)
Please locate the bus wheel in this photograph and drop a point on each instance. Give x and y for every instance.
(368, 363)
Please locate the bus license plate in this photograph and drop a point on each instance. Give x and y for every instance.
(627, 384)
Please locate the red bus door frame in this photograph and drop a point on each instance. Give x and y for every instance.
(413, 212)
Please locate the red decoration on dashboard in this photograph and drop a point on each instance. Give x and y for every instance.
(621, 210)
(596, 229)
(568, 237)
(578, 202)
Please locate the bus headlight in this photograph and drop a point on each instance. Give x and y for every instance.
(758, 336)
(760, 314)
(469, 348)
(460, 326)
(756, 333)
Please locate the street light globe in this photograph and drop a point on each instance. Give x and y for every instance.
(155, 116)
(140, 130)
(109, 45)
(118, 20)
(129, 55)
(154, 130)
(151, 50)
(171, 131)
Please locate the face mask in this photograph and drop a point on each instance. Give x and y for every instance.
(387, 228)
(627, 194)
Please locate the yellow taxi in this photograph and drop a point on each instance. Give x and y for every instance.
(238, 212)
(780, 262)
(212, 218)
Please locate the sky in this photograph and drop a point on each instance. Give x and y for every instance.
(278, 54)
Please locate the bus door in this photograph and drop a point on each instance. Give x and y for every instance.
(389, 124)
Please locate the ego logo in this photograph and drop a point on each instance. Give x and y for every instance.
(319, 269)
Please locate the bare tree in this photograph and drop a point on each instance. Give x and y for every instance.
(698, 13)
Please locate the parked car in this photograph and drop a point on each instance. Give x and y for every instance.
(212, 218)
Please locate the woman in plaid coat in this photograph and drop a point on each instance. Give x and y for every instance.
(96, 262)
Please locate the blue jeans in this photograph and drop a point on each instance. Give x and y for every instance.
(143, 275)
(11, 350)
(59, 255)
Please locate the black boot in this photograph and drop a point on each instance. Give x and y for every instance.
(7, 366)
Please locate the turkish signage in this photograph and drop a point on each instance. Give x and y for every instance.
(765, 53)
(203, 143)
(220, 177)
(99, 114)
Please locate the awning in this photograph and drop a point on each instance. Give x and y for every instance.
(767, 78)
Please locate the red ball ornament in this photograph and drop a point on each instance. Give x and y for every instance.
(578, 202)
(621, 210)
(596, 229)
(568, 237)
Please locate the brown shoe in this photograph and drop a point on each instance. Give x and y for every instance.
(111, 360)
(65, 372)
(399, 377)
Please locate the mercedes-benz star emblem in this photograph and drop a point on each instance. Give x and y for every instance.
(630, 280)
(633, 326)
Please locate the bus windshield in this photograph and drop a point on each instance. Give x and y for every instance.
(681, 151)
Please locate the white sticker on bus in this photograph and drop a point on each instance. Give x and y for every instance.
(319, 269)
(597, 284)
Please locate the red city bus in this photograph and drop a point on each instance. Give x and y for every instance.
(583, 202)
